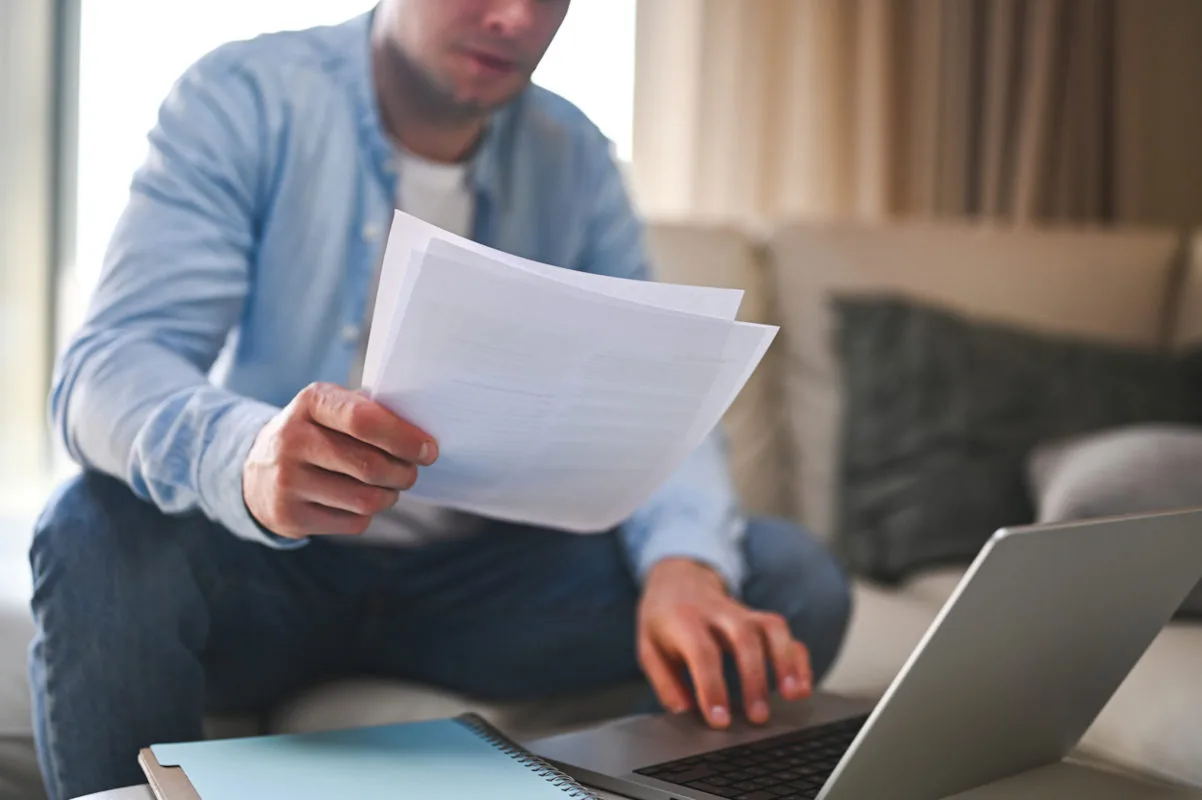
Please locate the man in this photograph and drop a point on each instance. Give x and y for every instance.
(205, 561)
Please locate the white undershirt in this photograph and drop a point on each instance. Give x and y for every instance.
(436, 193)
(439, 194)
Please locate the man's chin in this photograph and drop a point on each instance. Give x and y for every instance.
(486, 101)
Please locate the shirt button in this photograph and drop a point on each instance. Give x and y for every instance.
(350, 332)
(371, 232)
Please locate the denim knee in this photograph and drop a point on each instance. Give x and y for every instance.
(793, 574)
(100, 554)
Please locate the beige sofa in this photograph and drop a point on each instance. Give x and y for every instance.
(1134, 287)
(1126, 287)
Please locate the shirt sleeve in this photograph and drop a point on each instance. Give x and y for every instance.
(695, 513)
(131, 395)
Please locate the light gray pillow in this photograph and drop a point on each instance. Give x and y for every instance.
(1130, 470)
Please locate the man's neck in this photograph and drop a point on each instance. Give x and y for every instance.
(413, 113)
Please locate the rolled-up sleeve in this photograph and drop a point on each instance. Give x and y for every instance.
(131, 395)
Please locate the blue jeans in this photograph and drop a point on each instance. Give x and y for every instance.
(146, 622)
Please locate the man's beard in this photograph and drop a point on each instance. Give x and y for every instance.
(438, 99)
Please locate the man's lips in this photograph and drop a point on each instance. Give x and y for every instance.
(491, 63)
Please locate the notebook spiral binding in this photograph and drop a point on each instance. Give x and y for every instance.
(538, 766)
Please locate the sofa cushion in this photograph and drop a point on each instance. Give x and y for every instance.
(940, 413)
(1100, 285)
(714, 255)
(19, 773)
(1151, 723)
(1130, 470)
(885, 628)
(934, 586)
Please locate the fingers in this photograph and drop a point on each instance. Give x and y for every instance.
(744, 635)
(330, 521)
(341, 493)
(704, 658)
(295, 518)
(337, 452)
(664, 677)
(802, 659)
(364, 419)
(790, 659)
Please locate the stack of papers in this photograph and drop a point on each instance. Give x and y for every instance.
(558, 398)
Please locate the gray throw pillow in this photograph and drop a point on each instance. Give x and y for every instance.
(1130, 470)
(941, 412)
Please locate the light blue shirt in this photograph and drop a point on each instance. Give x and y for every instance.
(240, 270)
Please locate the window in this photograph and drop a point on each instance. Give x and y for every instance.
(133, 50)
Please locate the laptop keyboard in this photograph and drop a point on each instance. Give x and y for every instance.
(793, 766)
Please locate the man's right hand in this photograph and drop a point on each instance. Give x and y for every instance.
(329, 461)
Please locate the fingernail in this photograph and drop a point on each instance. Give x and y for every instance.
(789, 685)
(719, 715)
(426, 454)
(759, 711)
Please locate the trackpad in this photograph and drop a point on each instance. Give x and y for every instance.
(1070, 781)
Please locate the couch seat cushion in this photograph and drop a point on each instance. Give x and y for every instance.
(1153, 721)
(885, 628)
(19, 773)
(935, 586)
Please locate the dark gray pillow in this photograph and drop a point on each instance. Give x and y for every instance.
(1129, 470)
(941, 413)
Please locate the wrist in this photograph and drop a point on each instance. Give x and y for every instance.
(678, 568)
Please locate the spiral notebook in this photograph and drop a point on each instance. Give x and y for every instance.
(446, 759)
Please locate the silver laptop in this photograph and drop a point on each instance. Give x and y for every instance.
(1039, 634)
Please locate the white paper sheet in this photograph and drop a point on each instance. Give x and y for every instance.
(410, 235)
(553, 404)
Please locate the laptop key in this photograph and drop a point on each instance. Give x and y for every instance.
(720, 791)
(758, 794)
(688, 776)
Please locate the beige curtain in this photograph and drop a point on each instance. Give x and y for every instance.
(1011, 109)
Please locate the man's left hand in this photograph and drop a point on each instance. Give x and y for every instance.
(687, 621)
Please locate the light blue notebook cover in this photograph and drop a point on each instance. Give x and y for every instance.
(449, 759)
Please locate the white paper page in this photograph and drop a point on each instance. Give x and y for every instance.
(408, 233)
(706, 301)
(621, 293)
(553, 405)
(744, 352)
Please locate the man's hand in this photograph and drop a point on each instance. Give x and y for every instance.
(687, 621)
(330, 461)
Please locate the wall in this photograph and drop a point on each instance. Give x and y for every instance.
(26, 221)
